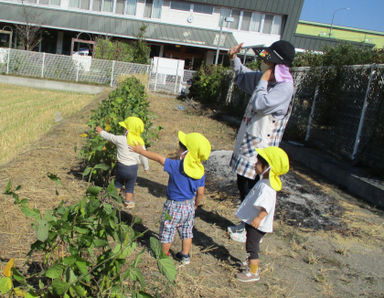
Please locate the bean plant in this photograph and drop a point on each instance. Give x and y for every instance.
(85, 247)
(128, 99)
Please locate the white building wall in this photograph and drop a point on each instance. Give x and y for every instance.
(187, 18)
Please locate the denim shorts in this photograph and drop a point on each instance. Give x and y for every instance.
(126, 176)
(182, 217)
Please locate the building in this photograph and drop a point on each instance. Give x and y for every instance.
(341, 33)
(188, 30)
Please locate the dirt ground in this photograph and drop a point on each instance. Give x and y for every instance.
(325, 243)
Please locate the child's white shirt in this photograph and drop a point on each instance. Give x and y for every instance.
(262, 195)
(124, 155)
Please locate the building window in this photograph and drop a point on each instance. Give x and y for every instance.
(276, 26)
(255, 22)
(202, 8)
(50, 2)
(152, 9)
(96, 5)
(246, 20)
(267, 24)
(130, 8)
(180, 5)
(83, 4)
(252, 21)
(108, 5)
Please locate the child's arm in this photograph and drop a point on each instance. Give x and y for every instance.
(148, 154)
(199, 196)
(257, 220)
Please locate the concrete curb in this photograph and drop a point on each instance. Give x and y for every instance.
(53, 85)
(340, 173)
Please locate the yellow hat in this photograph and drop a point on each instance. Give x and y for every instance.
(199, 149)
(278, 161)
(135, 127)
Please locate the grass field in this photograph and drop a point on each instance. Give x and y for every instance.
(26, 114)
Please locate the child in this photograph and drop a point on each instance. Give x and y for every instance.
(128, 161)
(258, 208)
(185, 190)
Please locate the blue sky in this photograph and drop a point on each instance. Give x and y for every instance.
(363, 14)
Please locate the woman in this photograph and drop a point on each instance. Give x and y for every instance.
(266, 115)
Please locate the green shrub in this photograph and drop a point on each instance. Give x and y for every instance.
(210, 84)
(85, 247)
(128, 99)
(136, 51)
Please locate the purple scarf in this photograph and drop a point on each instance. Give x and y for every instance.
(282, 73)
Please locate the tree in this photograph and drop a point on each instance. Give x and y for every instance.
(136, 51)
(30, 34)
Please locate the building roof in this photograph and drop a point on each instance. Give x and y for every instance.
(113, 25)
(323, 25)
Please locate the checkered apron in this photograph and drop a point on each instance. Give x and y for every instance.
(256, 131)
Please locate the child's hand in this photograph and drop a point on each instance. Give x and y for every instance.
(136, 148)
(99, 129)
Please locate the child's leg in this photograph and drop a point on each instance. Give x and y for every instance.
(252, 247)
(130, 175)
(166, 247)
(186, 246)
(186, 226)
(253, 265)
(167, 227)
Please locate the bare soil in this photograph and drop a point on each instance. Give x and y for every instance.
(325, 243)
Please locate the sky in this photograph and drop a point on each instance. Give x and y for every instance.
(363, 14)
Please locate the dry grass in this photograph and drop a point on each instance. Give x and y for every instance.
(26, 114)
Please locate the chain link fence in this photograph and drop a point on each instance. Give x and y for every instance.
(84, 69)
(343, 116)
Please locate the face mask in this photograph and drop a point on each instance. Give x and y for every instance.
(261, 175)
(264, 66)
(183, 154)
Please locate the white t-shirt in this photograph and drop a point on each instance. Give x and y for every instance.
(261, 195)
(124, 155)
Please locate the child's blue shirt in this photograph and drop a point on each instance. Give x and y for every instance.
(180, 186)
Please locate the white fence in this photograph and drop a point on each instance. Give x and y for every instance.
(84, 69)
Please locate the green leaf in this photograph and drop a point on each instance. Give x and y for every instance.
(81, 230)
(53, 177)
(31, 295)
(108, 208)
(101, 166)
(94, 190)
(155, 247)
(100, 242)
(167, 216)
(5, 285)
(55, 271)
(80, 291)
(17, 275)
(143, 295)
(33, 213)
(167, 267)
(128, 250)
(41, 285)
(112, 191)
(42, 229)
(87, 171)
(8, 188)
(69, 260)
(59, 286)
(71, 276)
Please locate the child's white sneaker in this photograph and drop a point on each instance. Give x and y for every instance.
(239, 237)
(237, 228)
(247, 276)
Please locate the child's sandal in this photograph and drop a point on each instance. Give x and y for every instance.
(129, 204)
